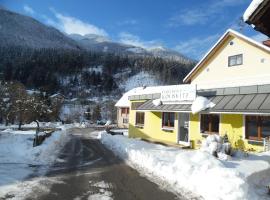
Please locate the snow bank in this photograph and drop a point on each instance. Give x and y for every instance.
(195, 171)
(17, 147)
(201, 103)
(19, 159)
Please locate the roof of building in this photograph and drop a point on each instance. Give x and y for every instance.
(228, 33)
(248, 99)
(139, 92)
(148, 105)
(57, 95)
(251, 9)
(257, 15)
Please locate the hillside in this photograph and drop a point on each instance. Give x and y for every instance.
(98, 43)
(87, 67)
(24, 31)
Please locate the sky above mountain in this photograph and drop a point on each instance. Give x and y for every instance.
(190, 27)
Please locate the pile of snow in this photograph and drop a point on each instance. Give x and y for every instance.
(201, 103)
(196, 171)
(34, 125)
(157, 102)
(24, 152)
(252, 7)
(215, 146)
(19, 159)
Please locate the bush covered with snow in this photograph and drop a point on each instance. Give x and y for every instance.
(215, 146)
(195, 171)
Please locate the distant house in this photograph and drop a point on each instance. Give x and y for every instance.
(123, 106)
(258, 15)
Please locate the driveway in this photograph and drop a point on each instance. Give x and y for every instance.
(85, 169)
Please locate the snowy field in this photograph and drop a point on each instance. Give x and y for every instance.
(20, 162)
(196, 171)
(139, 80)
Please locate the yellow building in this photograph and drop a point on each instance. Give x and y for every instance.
(234, 76)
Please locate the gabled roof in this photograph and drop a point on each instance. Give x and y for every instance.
(212, 51)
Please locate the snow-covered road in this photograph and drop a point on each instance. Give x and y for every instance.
(85, 169)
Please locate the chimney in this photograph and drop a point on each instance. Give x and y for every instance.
(267, 42)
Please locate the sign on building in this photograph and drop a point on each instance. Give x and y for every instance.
(176, 93)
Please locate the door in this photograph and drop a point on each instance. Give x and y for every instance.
(183, 129)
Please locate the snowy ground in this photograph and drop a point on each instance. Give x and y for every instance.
(139, 80)
(20, 162)
(240, 177)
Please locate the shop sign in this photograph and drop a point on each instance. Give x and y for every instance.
(177, 93)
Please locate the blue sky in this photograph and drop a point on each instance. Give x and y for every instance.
(190, 27)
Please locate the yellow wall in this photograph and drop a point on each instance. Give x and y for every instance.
(152, 128)
(215, 72)
(232, 124)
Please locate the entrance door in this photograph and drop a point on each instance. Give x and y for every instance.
(183, 129)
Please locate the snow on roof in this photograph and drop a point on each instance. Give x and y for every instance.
(31, 92)
(56, 94)
(74, 99)
(229, 31)
(124, 101)
(252, 7)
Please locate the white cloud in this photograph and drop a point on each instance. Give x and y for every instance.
(197, 47)
(72, 25)
(128, 38)
(201, 15)
(28, 10)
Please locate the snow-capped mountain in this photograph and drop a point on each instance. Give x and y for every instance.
(168, 54)
(99, 43)
(72, 70)
(20, 30)
(102, 44)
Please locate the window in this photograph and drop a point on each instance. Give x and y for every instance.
(235, 60)
(124, 111)
(139, 119)
(257, 127)
(209, 123)
(125, 120)
(168, 119)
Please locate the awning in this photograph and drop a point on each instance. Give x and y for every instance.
(148, 105)
(246, 103)
(249, 103)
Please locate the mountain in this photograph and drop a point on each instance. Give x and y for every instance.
(99, 43)
(24, 31)
(43, 58)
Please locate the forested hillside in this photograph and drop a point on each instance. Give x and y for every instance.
(90, 71)
(83, 73)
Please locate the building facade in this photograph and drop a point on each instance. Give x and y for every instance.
(235, 77)
(123, 117)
